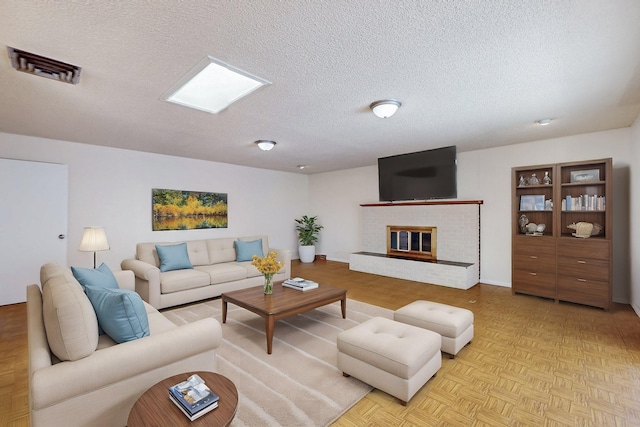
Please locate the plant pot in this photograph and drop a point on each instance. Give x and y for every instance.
(307, 253)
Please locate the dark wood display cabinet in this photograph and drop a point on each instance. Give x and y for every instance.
(562, 231)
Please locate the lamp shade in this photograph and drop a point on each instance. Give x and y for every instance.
(265, 145)
(94, 239)
(386, 108)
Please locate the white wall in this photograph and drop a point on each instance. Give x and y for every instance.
(335, 199)
(634, 249)
(112, 188)
(482, 175)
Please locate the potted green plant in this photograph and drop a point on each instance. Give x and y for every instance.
(308, 230)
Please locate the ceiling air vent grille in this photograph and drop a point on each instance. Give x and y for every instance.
(44, 67)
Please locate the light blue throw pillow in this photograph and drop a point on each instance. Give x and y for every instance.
(173, 257)
(100, 277)
(246, 250)
(121, 313)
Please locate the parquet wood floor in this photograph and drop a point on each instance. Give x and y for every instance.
(533, 362)
(14, 392)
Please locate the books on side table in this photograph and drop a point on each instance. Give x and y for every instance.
(193, 397)
(300, 284)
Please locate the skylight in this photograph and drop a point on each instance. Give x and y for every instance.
(212, 86)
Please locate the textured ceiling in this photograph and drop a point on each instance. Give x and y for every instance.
(475, 74)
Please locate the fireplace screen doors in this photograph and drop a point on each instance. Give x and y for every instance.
(411, 241)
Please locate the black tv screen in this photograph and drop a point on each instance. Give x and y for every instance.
(429, 174)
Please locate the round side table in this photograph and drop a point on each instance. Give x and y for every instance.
(155, 408)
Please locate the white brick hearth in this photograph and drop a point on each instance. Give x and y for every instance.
(458, 242)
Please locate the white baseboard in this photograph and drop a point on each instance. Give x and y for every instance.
(493, 282)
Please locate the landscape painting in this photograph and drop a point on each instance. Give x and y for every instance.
(188, 210)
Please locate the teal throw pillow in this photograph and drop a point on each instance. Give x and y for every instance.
(100, 277)
(173, 257)
(121, 313)
(246, 250)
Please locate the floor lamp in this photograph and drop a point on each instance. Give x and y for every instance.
(94, 239)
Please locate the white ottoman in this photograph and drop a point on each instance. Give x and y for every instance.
(454, 324)
(391, 356)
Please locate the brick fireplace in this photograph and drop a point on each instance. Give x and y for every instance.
(457, 262)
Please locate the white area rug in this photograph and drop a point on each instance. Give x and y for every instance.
(299, 383)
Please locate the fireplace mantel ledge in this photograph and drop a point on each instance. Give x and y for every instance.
(430, 202)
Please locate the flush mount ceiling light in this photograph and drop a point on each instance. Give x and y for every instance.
(385, 108)
(212, 86)
(301, 166)
(265, 145)
(544, 122)
(37, 65)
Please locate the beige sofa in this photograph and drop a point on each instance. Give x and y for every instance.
(98, 381)
(214, 271)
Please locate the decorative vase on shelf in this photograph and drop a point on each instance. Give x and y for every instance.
(533, 180)
(522, 223)
(268, 284)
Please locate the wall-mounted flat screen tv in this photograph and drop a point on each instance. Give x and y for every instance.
(424, 175)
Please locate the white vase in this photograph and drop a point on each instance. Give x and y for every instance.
(307, 253)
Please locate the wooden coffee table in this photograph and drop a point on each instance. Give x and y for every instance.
(154, 408)
(284, 302)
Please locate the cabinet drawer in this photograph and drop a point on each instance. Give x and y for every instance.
(590, 292)
(584, 268)
(527, 245)
(537, 263)
(534, 283)
(593, 248)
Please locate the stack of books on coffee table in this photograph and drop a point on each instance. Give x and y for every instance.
(193, 397)
(300, 284)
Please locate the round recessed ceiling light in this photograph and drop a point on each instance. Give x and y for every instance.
(301, 166)
(544, 122)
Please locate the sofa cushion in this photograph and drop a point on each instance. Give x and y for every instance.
(56, 272)
(180, 280)
(173, 257)
(158, 324)
(198, 253)
(101, 277)
(246, 250)
(225, 272)
(69, 319)
(146, 252)
(121, 313)
(251, 270)
(265, 242)
(221, 250)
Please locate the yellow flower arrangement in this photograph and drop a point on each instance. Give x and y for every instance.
(268, 265)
